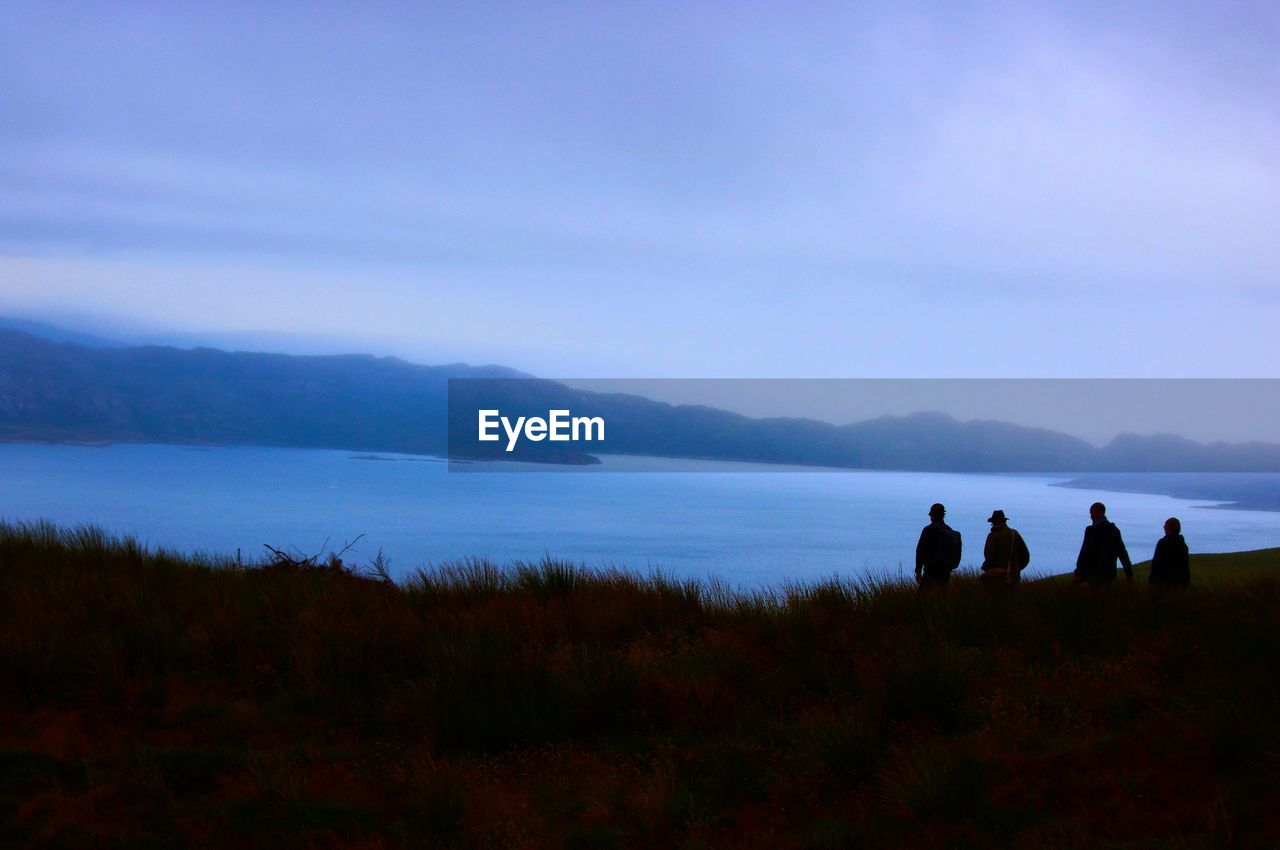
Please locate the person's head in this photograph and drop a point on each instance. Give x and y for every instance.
(998, 519)
(1172, 526)
(1097, 511)
(937, 512)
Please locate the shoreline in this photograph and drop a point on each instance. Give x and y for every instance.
(1242, 491)
(1239, 491)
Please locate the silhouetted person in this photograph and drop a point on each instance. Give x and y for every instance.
(938, 552)
(1171, 564)
(1101, 547)
(1005, 554)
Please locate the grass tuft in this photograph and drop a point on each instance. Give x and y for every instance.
(151, 698)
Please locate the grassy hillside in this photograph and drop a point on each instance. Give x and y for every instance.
(151, 700)
(1228, 567)
(1207, 570)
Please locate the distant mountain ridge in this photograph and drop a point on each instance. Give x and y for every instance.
(71, 392)
(53, 333)
(66, 391)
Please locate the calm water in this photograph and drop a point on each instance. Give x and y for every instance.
(749, 527)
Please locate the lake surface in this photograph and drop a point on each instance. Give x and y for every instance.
(747, 526)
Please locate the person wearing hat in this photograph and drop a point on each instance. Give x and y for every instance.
(938, 552)
(1005, 555)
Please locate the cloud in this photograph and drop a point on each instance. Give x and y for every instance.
(705, 174)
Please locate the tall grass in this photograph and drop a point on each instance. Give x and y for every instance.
(152, 698)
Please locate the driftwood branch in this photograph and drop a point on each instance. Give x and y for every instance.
(299, 561)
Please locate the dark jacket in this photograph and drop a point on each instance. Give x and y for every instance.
(938, 552)
(1005, 550)
(1171, 564)
(1098, 553)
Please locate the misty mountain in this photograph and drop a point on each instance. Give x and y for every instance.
(67, 391)
(53, 333)
(274, 341)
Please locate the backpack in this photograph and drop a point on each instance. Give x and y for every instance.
(952, 544)
(1019, 554)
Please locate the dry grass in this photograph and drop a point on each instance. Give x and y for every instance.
(149, 699)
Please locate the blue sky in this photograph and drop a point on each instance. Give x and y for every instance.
(656, 190)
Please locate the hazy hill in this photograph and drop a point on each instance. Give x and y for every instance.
(66, 391)
(53, 333)
(52, 390)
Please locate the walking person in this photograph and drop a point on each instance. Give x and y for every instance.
(938, 552)
(1171, 563)
(1102, 545)
(1005, 554)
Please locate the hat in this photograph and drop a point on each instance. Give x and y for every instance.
(937, 509)
(997, 516)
